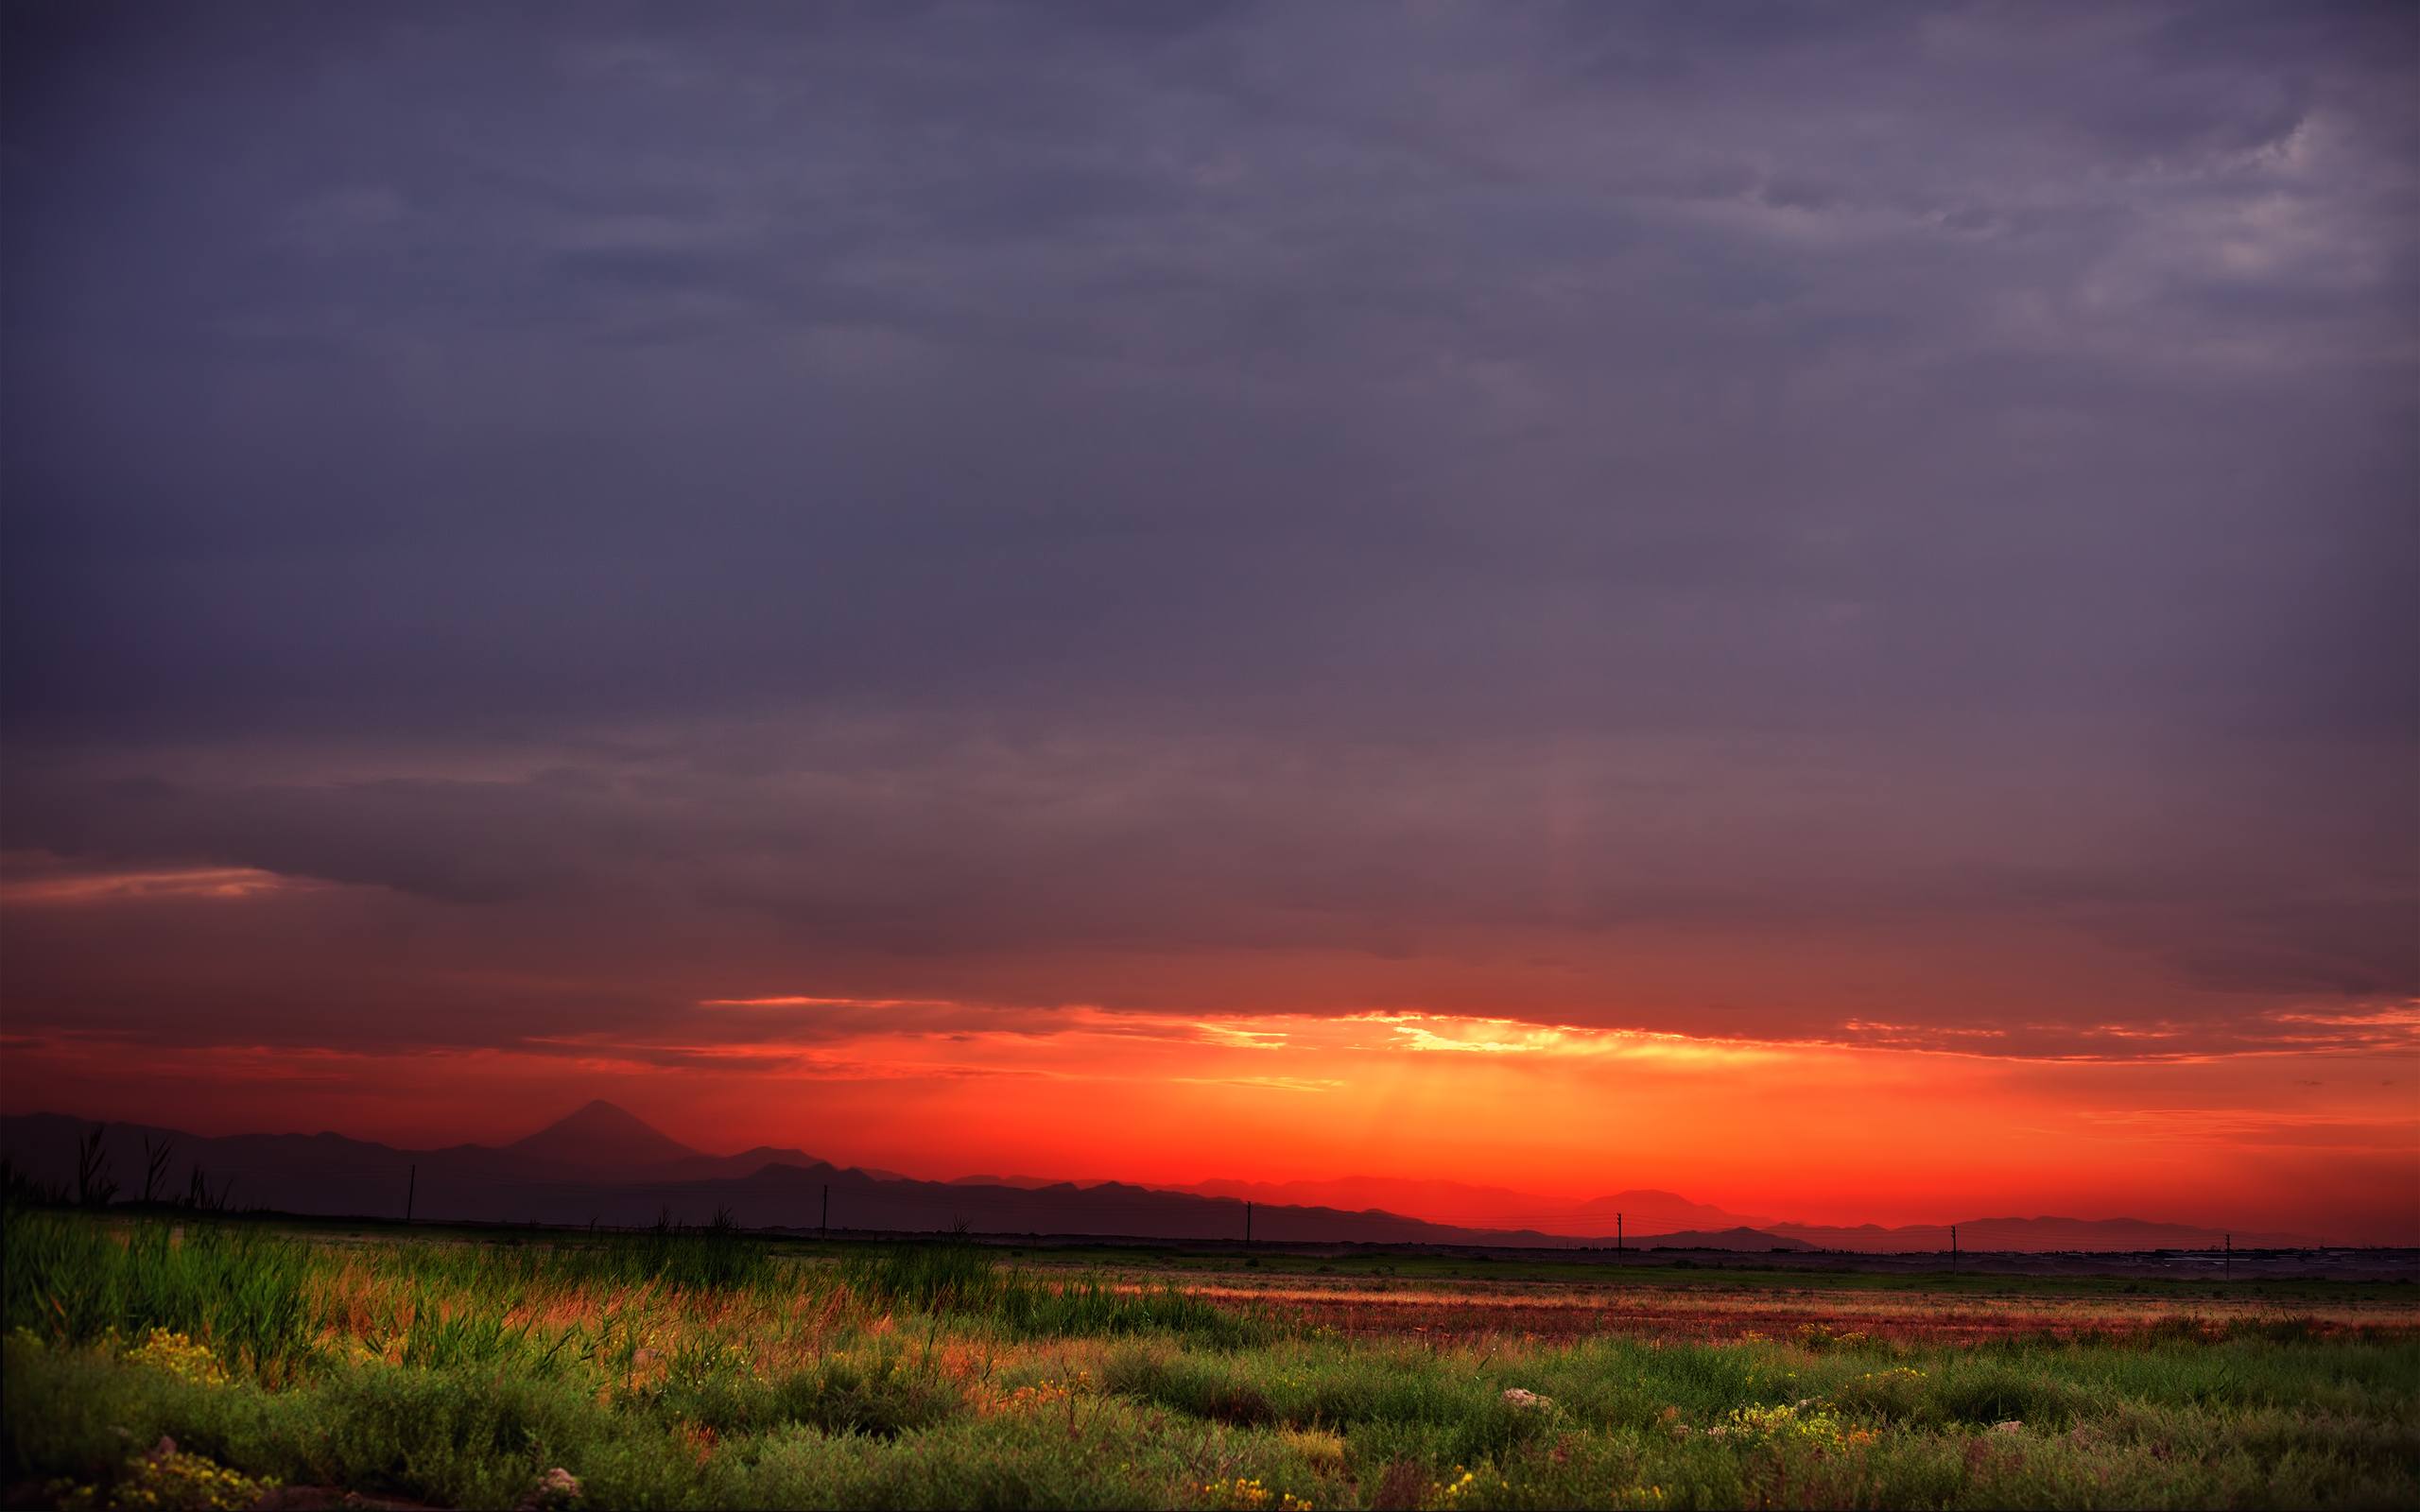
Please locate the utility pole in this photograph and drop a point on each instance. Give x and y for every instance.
(411, 1190)
(1617, 1234)
(823, 1224)
(1247, 1220)
(2227, 1272)
(1953, 1246)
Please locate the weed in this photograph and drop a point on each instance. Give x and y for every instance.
(94, 1186)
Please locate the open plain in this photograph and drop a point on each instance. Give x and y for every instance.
(230, 1364)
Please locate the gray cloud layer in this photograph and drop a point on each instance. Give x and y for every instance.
(1456, 485)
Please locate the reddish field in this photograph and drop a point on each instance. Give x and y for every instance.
(1547, 1311)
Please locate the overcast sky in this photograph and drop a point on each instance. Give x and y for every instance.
(1876, 525)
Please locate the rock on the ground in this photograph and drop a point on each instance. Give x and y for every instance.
(558, 1488)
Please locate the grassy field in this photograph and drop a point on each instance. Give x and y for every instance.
(234, 1364)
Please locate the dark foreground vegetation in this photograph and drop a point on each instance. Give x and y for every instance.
(209, 1364)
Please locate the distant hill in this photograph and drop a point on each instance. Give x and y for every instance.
(2032, 1236)
(601, 1165)
(1487, 1207)
(1741, 1238)
(1651, 1218)
(1650, 1210)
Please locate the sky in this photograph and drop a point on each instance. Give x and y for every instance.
(1806, 606)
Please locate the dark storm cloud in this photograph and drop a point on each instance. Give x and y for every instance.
(1456, 484)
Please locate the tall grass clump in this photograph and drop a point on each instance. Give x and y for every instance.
(1091, 1306)
(72, 1279)
(959, 1278)
(719, 1256)
(953, 1275)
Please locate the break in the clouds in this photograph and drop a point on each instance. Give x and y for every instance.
(1874, 524)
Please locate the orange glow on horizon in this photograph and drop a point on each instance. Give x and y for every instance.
(1819, 1132)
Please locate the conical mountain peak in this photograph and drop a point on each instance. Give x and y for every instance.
(604, 1138)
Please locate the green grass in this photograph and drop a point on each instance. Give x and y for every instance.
(667, 1374)
(965, 1282)
(711, 1257)
(69, 1279)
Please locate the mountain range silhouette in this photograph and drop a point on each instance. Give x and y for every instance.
(602, 1164)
